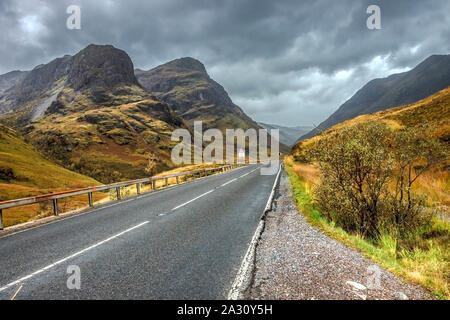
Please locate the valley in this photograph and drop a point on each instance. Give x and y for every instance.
(92, 118)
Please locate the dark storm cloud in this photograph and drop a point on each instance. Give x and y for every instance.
(291, 62)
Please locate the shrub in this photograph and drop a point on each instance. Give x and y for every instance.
(367, 172)
(6, 174)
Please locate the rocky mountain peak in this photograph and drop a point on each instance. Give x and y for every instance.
(101, 66)
(188, 63)
(185, 84)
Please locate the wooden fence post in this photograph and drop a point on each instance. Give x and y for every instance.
(55, 207)
(138, 188)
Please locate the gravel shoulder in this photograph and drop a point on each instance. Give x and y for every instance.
(296, 261)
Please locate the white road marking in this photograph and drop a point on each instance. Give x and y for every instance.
(183, 204)
(238, 177)
(248, 173)
(70, 257)
(222, 185)
(204, 194)
(245, 269)
(143, 195)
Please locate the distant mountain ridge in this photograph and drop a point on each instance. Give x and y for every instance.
(288, 135)
(10, 79)
(430, 76)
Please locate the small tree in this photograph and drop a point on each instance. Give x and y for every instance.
(151, 165)
(415, 152)
(367, 172)
(355, 170)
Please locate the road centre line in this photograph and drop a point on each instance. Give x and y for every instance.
(187, 202)
(208, 192)
(222, 185)
(70, 257)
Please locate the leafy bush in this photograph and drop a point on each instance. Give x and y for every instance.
(367, 172)
(6, 174)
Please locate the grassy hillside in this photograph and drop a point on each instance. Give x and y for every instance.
(420, 255)
(432, 112)
(24, 172)
(108, 143)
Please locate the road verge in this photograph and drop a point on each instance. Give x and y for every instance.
(244, 275)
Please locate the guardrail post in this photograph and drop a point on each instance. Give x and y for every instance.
(154, 184)
(167, 181)
(178, 180)
(138, 188)
(1, 220)
(55, 207)
(90, 199)
(118, 193)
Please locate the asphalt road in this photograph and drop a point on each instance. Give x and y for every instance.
(186, 242)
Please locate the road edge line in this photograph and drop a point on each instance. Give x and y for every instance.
(243, 278)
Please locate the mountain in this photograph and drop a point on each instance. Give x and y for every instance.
(430, 76)
(186, 86)
(433, 113)
(288, 135)
(10, 79)
(88, 113)
(95, 75)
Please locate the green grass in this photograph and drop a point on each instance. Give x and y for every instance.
(426, 264)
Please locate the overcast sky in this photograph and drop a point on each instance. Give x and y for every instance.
(284, 62)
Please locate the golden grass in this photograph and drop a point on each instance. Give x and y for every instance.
(33, 175)
(435, 187)
(429, 267)
(433, 111)
(427, 263)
